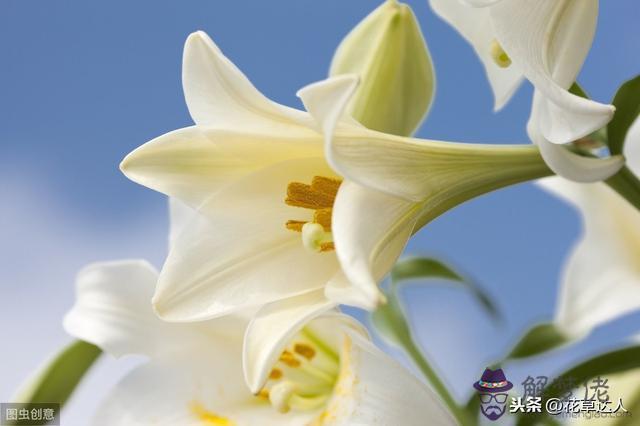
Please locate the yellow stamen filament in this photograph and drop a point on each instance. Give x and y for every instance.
(305, 350)
(319, 197)
(498, 54)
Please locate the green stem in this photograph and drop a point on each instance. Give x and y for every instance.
(627, 185)
(418, 358)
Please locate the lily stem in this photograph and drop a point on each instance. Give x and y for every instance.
(421, 362)
(627, 185)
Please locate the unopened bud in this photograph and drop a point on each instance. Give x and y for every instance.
(397, 80)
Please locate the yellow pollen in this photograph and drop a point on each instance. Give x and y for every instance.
(498, 54)
(305, 350)
(327, 247)
(289, 359)
(319, 197)
(263, 394)
(208, 417)
(275, 374)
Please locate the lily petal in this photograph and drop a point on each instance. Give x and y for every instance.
(272, 328)
(113, 311)
(375, 389)
(194, 162)
(340, 290)
(480, 3)
(238, 253)
(420, 169)
(632, 147)
(199, 388)
(475, 26)
(549, 40)
(601, 280)
(180, 215)
(327, 100)
(368, 244)
(566, 163)
(218, 94)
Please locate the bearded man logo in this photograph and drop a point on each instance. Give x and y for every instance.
(492, 390)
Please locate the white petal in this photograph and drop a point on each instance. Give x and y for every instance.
(632, 147)
(566, 163)
(238, 253)
(475, 26)
(193, 163)
(180, 215)
(420, 169)
(549, 40)
(340, 290)
(480, 3)
(193, 390)
(601, 281)
(376, 390)
(219, 95)
(326, 101)
(113, 308)
(271, 330)
(368, 244)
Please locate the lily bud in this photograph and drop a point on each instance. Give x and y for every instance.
(397, 80)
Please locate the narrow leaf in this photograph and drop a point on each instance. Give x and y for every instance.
(627, 103)
(390, 322)
(56, 381)
(539, 339)
(421, 268)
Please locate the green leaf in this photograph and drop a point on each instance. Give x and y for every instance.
(609, 363)
(56, 381)
(429, 268)
(627, 103)
(390, 322)
(577, 90)
(538, 339)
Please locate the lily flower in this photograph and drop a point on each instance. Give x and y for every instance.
(547, 42)
(326, 372)
(601, 278)
(273, 209)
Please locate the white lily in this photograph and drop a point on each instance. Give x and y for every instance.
(601, 279)
(272, 209)
(325, 372)
(545, 41)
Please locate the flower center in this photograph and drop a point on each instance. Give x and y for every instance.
(304, 377)
(319, 197)
(498, 54)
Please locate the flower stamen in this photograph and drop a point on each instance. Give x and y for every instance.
(319, 197)
(498, 54)
(304, 377)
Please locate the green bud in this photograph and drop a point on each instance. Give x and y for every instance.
(397, 80)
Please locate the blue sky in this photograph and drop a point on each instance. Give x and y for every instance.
(83, 83)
